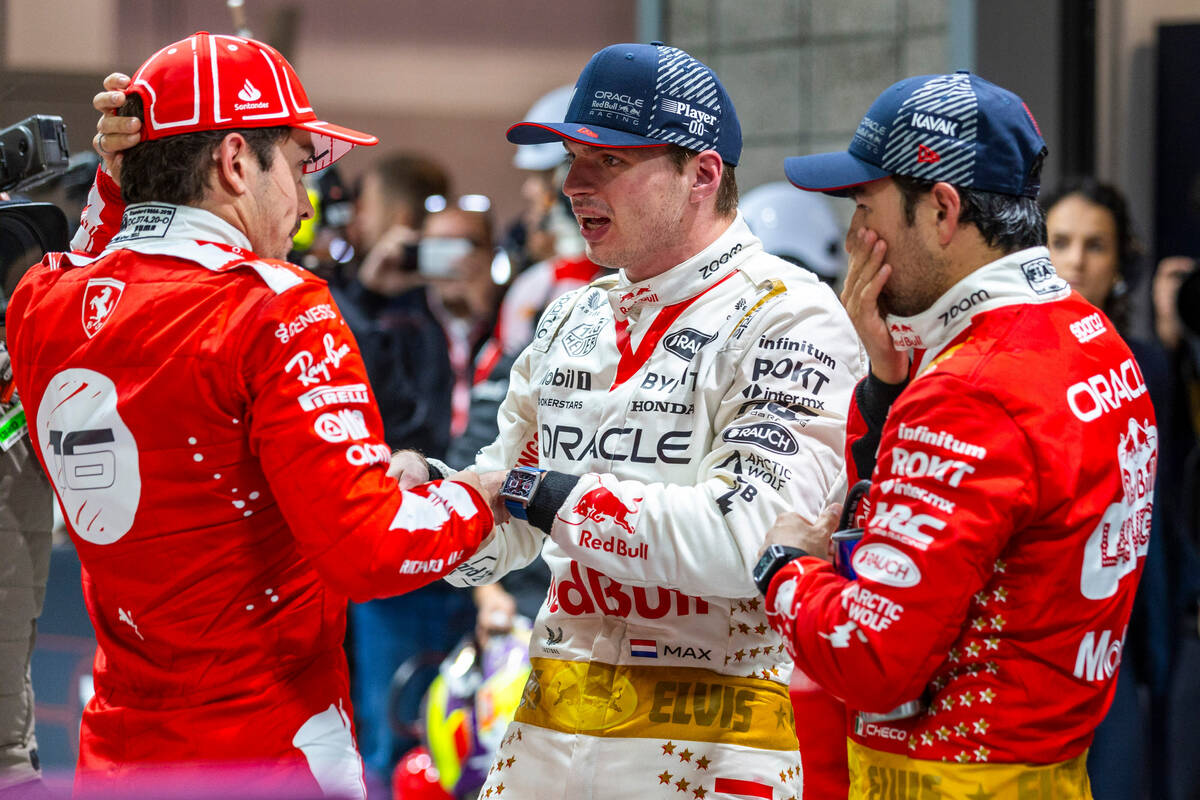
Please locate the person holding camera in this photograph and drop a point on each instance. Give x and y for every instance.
(205, 418)
(386, 303)
(1012, 446)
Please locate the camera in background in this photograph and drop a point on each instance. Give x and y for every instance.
(32, 151)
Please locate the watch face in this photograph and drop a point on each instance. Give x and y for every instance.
(764, 563)
(519, 484)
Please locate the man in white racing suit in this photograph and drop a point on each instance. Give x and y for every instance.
(664, 416)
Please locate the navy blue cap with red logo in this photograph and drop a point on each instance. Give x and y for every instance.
(957, 128)
(644, 95)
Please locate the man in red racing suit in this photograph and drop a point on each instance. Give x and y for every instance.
(207, 423)
(1012, 490)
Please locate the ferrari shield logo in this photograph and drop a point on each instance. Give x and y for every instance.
(99, 299)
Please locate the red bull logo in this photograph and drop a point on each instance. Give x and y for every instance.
(903, 335)
(601, 504)
(587, 591)
(630, 299)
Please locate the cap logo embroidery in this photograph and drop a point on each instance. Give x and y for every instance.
(935, 124)
(944, 106)
(927, 155)
(685, 110)
(587, 132)
(681, 76)
(249, 93)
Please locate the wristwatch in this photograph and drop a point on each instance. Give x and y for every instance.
(518, 489)
(774, 558)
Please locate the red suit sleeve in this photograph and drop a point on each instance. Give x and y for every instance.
(317, 433)
(101, 217)
(952, 483)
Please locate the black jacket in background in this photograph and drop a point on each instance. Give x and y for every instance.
(408, 363)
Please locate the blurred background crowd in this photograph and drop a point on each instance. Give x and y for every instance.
(444, 244)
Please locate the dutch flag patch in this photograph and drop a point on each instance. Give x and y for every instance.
(643, 648)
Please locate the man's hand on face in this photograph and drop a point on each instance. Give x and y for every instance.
(793, 530)
(114, 134)
(384, 270)
(865, 277)
(408, 468)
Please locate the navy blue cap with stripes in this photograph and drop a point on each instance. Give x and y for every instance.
(644, 95)
(956, 128)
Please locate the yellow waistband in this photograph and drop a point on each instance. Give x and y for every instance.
(881, 776)
(657, 703)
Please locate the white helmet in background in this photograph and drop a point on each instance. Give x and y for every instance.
(796, 225)
(551, 106)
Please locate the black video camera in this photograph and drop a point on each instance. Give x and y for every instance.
(27, 232)
(32, 151)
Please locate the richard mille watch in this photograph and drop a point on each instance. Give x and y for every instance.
(519, 487)
(774, 558)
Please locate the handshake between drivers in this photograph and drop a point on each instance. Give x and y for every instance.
(409, 468)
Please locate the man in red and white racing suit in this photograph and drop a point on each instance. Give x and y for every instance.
(206, 421)
(676, 412)
(1012, 491)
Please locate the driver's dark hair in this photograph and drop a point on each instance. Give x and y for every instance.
(177, 169)
(1008, 222)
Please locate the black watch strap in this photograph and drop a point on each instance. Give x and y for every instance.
(774, 558)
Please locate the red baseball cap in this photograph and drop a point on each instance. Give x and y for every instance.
(215, 81)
